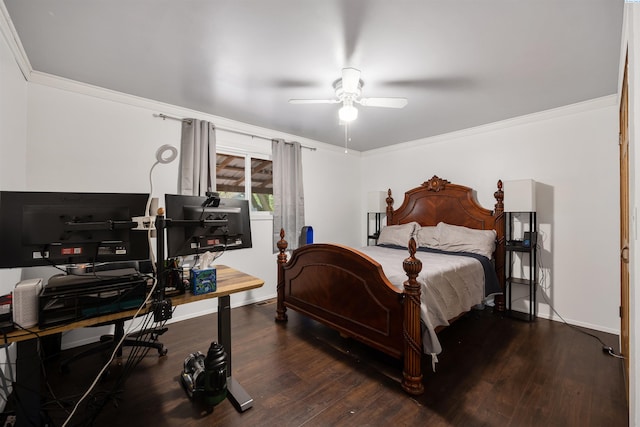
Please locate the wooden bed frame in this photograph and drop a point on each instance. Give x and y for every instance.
(348, 291)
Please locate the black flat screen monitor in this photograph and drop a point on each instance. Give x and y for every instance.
(193, 227)
(57, 228)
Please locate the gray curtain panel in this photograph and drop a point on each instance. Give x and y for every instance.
(197, 158)
(288, 194)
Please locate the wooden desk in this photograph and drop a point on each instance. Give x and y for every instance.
(229, 281)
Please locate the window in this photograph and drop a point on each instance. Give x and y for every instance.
(239, 175)
(230, 176)
(261, 185)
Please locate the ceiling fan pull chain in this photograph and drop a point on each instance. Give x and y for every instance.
(346, 137)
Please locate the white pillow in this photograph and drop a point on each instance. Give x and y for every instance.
(398, 234)
(427, 237)
(455, 238)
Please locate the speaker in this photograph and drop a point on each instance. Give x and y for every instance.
(25, 302)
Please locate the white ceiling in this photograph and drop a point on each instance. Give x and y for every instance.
(460, 63)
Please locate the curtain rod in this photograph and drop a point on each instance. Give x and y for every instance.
(164, 116)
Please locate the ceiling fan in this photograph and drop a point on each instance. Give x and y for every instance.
(348, 90)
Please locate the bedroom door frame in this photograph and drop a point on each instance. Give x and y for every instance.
(624, 223)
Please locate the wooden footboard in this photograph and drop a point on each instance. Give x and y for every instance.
(348, 291)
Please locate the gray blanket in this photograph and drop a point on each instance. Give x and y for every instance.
(450, 285)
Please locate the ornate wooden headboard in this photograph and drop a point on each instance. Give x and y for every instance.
(437, 200)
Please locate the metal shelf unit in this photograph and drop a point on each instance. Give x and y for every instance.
(524, 248)
(376, 219)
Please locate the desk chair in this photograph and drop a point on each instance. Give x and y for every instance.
(108, 342)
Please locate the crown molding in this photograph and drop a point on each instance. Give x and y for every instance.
(156, 107)
(13, 41)
(579, 107)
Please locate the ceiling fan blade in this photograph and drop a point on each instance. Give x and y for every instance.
(350, 80)
(442, 83)
(313, 101)
(383, 102)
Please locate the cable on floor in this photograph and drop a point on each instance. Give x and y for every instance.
(605, 348)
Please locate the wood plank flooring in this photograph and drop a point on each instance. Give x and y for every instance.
(494, 371)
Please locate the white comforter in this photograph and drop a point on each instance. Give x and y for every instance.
(451, 285)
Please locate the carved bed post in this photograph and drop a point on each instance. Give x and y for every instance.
(498, 214)
(412, 372)
(389, 201)
(281, 310)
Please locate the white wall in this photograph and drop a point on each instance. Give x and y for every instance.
(13, 131)
(13, 128)
(332, 196)
(572, 153)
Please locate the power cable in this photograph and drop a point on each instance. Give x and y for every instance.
(113, 354)
(605, 348)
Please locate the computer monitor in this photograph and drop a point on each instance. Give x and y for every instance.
(57, 228)
(194, 225)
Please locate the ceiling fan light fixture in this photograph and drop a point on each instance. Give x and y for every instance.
(348, 112)
(348, 91)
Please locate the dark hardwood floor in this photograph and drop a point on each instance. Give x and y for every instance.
(494, 371)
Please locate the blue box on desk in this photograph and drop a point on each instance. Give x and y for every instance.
(203, 281)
